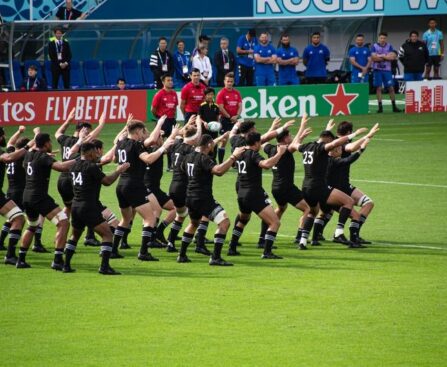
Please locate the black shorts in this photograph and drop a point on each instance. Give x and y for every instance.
(434, 61)
(167, 126)
(317, 195)
(161, 196)
(348, 190)
(86, 216)
(227, 125)
(17, 197)
(3, 199)
(253, 202)
(131, 196)
(177, 192)
(65, 189)
(204, 207)
(35, 207)
(292, 196)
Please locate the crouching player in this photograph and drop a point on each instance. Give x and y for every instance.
(200, 168)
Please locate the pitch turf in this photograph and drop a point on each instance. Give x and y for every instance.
(329, 306)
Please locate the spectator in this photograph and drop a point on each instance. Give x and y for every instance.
(265, 59)
(165, 102)
(182, 65)
(288, 59)
(204, 41)
(32, 83)
(60, 55)
(224, 61)
(192, 95)
(360, 59)
(202, 62)
(414, 56)
(382, 54)
(434, 39)
(245, 51)
(161, 62)
(67, 12)
(315, 57)
(121, 84)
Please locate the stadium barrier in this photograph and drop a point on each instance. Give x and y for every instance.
(39, 108)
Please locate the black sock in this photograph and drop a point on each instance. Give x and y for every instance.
(220, 154)
(58, 255)
(126, 232)
(90, 233)
(106, 250)
(219, 240)
(161, 228)
(318, 228)
(298, 234)
(38, 236)
(173, 233)
(186, 240)
(307, 227)
(201, 232)
(22, 253)
(117, 236)
(5, 230)
(146, 239)
(14, 237)
(354, 231)
(264, 227)
(112, 229)
(270, 237)
(326, 219)
(237, 233)
(70, 249)
(343, 217)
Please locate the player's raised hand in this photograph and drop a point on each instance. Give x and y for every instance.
(192, 120)
(373, 131)
(306, 132)
(175, 131)
(123, 167)
(288, 124)
(238, 151)
(71, 115)
(102, 119)
(304, 119)
(83, 134)
(36, 131)
(22, 129)
(162, 120)
(362, 130)
(330, 125)
(129, 119)
(276, 122)
(168, 143)
(365, 143)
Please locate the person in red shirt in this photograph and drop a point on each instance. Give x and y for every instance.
(165, 102)
(192, 95)
(229, 101)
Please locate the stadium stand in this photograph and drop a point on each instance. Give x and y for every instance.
(132, 74)
(112, 71)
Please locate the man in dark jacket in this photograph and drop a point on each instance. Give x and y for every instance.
(224, 61)
(414, 55)
(32, 83)
(60, 56)
(161, 62)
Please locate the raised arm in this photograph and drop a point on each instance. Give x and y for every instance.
(343, 139)
(220, 169)
(102, 122)
(155, 134)
(13, 139)
(356, 145)
(270, 162)
(64, 126)
(63, 166)
(110, 179)
(150, 158)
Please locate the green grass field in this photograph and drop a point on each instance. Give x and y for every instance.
(329, 306)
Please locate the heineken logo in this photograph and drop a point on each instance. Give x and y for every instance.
(340, 101)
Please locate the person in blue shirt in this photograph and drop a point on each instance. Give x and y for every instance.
(245, 51)
(182, 65)
(315, 57)
(360, 59)
(265, 60)
(288, 59)
(434, 39)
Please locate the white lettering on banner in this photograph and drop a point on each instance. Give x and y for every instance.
(327, 7)
(286, 104)
(267, 108)
(17, 111)
(249, 104)
(352, 5)
(261, 6)
(66, 106)
(308, 100)
(416, 4)
(88, 108)
(296, 8)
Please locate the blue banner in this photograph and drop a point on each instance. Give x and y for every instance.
(330, 8)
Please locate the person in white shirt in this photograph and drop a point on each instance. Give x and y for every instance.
(202, 62)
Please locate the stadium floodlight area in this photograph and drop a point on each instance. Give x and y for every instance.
(137, 38)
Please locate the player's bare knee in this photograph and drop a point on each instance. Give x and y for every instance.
(224, 225)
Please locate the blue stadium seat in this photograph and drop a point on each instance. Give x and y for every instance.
(112, 71)
(49, 76)
(93, 74)
(132, 74)
(76, 75)
(18, 76)
(36, 63)
(148, 77)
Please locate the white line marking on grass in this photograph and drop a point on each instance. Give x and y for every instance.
(388, 139)
(379, 243)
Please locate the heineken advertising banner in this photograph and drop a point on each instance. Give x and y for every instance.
(347, 8)
(293, 101)
(43, 108)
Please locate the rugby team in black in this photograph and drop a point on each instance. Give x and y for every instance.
(139, 153)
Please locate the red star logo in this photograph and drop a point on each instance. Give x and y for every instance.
(340, 101)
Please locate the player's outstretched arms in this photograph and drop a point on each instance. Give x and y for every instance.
(155, 134)
(63, 166)
(110, 179)
(354, 146)
(220, 169)
(64, 126)
(13, 139)
(269, 163)
(344, 139)
(150, 158)
(101, 123)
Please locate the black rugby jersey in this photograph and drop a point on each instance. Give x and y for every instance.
(249, 172)
(315, 161)
(16, 174)
(338, 171)
(284, 170)
(66, 142)
(154, 171)
(87, 180)
(37, 167)
(129, 151)
(178, 153)
(198, 167)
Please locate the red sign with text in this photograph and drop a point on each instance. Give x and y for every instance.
(43, 108)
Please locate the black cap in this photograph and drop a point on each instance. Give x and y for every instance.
(252, 32)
